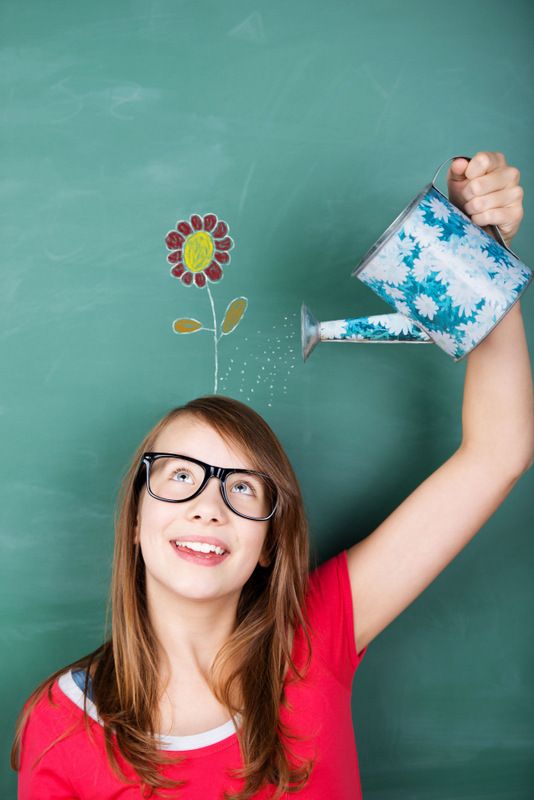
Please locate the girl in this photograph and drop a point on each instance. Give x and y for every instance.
(229, 667)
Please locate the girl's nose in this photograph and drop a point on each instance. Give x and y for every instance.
(210, 502)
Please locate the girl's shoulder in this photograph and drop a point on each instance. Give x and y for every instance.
(54, 738)
(58, 707)
(52, 719)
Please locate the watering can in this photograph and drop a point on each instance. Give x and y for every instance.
(449, 281)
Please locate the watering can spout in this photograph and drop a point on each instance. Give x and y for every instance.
(380, 328)
(309, 329)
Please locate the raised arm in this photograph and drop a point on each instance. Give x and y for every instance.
(397, 561)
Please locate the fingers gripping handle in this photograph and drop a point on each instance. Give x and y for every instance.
(498, 234)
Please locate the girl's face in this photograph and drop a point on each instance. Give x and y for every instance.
(160, 523)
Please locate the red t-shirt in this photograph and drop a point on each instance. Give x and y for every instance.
(77, 768)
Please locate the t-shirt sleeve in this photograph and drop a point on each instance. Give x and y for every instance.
(48, 778)
(332, 617)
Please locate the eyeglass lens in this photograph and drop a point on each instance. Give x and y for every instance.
(179, 478)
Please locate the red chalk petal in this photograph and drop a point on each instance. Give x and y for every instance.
(222, 258)
(175, 257)
(224, 244)
(196, 222)
(174, 240)
(187, 278)
(210, 221)
(185, 228)
(200, 279)
(214, 272)
(220, 231)
(178, 270)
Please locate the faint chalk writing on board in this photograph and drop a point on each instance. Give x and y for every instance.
(199, 250)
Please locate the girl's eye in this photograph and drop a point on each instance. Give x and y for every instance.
(245, 485)
(180, 472)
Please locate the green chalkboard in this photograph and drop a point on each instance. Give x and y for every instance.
(306, 127)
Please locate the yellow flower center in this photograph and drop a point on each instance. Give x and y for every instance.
(198, 251)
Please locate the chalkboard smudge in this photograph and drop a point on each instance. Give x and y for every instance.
(250, 30)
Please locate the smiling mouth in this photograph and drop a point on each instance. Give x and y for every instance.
(211, 554)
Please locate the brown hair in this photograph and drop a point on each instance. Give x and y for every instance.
(271, 605)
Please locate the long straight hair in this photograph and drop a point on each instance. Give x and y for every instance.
(124, 669)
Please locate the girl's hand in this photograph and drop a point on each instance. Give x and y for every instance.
(487, 189)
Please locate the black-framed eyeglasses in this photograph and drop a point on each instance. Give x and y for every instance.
(175, 478)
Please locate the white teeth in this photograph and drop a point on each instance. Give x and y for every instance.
(201, 547)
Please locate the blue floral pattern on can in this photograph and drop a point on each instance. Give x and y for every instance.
(378, 328)
(444, 273)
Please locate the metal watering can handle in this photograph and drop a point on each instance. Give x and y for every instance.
(495, 228)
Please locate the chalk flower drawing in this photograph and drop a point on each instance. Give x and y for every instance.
(199, 249)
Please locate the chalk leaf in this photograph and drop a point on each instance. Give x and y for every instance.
(233, 315)
(186, 325)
